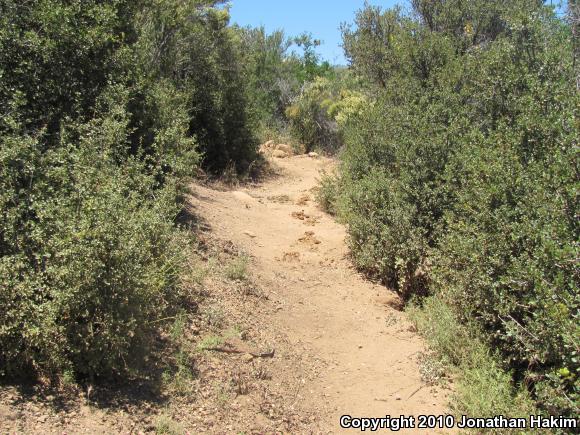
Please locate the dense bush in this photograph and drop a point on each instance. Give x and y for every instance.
(188, 44)
(104, 107)
(485, 389)
(57, 57)
(460, 178)
(309, 118)
(288, 91)
(270, 72)
(90, 256)
(507, 255)
(319, 113)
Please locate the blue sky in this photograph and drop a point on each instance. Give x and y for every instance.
(319, 17)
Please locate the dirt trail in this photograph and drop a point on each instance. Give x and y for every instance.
(325, 309)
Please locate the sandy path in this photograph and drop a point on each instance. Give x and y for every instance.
(369, 355)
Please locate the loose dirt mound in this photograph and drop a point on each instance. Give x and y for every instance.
(306, 218)
(281, 150)
(309, 240)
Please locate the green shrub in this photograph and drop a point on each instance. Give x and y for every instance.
(459, 179)
(270, 72)
(90, 258)
(482, 387)
(237, 269)
(193, 50)
(105, 107)
(327, 193)
(57, 57)
(382, 237)
(284, 88)
(507, 259)
(507, 251)
(309, 118)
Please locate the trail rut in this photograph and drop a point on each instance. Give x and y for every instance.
(369, 354)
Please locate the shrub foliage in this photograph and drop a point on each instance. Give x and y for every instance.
(460, 176)
(104, 107)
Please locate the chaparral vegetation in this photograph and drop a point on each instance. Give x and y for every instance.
(456, 126)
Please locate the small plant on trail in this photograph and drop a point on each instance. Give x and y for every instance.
(237, 269)
(210, 342)
(165, 425)
(327, 193)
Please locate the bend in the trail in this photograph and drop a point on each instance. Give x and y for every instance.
(368, 354)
